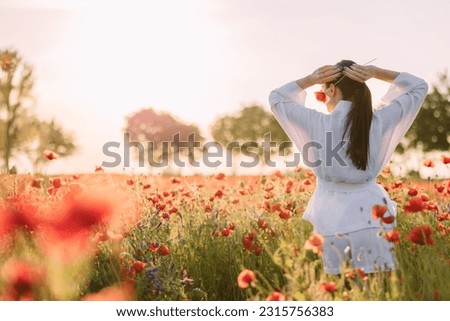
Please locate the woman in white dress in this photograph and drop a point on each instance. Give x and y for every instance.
(347, 148)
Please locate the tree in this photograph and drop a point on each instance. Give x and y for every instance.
(21, 131)
(162, 135)
(431, 131)
(16, 83)
(250, 124)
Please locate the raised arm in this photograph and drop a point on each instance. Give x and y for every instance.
(288, 104)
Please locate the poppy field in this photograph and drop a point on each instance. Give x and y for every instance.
(104, 236)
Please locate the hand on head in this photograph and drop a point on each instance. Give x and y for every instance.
(359, 73)
(326, 74)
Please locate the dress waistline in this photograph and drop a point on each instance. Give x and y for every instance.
(345, 187)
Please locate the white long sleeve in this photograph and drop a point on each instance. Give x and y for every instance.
(402, 104)
(344, 195)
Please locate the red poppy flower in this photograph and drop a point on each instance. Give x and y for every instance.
(50, 155)
(314, 243)
(226, 232)
(415, 204)
(139, 266)
(329, 287)
(163, 250)
(19, 278)
(36, 184)
(321, 96)
(393, 236)
(285, 214)
(98, 169)
(440, 188)
(268, 187)
(173, 210)
(175, 180)
(445, 159)
(420, 235)
(218, 193)
(220, 176)
(153, 247)
(306, 182)
(245, 278)
(378, 211)
(276, 296)
(130, 182)
(412, 192)
(80, 214)
(57, 182)
(388, 219)
(428, 163)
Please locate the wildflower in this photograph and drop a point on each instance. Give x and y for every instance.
(175, 180)
(428, 163)
(393, 236)
(99, 169)
(163, 250)
(314, 243)
(245, 278)
(139, 266)
(445, 159)
(130, 182)
(412, 192)
(329, 287)
(219, 176)
(420, 235)
(378, 211)
(285, 214)
(50, 155)
(56, 183)
(388, 219)
(36, 183)
(20, 279)
(276, 296)
(153, 247)
(80, 214)
(226, 232)
(321, 96)
(415, 204)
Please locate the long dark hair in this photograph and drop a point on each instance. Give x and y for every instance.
(359, 118)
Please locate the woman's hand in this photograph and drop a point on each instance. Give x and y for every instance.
(320, 76)
(326, 74)
(360, 73)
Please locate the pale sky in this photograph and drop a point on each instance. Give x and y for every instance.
(97, 61)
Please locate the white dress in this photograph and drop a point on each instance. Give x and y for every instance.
(344, 195)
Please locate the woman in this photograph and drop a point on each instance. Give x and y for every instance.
(347, 148)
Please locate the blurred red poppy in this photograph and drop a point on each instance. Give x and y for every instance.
(393, 236)
(276, 296)
(329, 287)
(321, 96)
(428, 163)
(420, 235)
(415, 204)
(50, 155)
(314, 243)
(378, 211)
(245, 278)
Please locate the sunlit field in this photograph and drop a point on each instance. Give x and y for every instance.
(112, 237)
